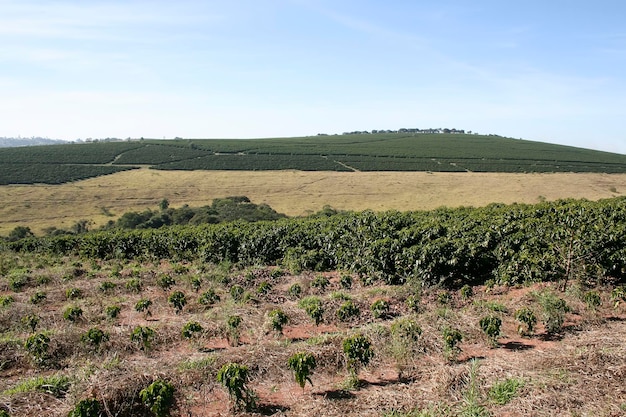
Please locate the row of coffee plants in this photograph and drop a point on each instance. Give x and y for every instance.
(449, 247)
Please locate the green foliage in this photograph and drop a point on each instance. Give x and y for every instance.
(209, 297)
(37, 297)
(302, 364)
(178, 300)
(491, 326)
(112, 311)
(191, 328)
(502, 392)
(37, 346)
(345, 280)
(451, 339)
(472, 406)
(18, 280)
(618, 295)
(6, 300)
(406, 331)
(467, 292)
(444, 298)
(380, 308)
(278, 319)
(554, 309)
(55, 385)
(95, 337)
(295, 290)
(73, 293)
(89, 407)
(347, 310)
(31, 321)
(234, 378)
(320, 282)
(312, 305)
(232, 325)
(236, 292)
(143, 337)
(158, 397)
(107, 286)
(166, 282)
(134, 285)
(196, 283)
(264, 288)
(413, 302)
(527, 320)
(358, 351)
(592, 299)
(143, 306)
(72, 313)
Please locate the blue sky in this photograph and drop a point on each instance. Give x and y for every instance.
(550, 70)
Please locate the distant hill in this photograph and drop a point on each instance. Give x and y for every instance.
(387, 151)
(34, 141)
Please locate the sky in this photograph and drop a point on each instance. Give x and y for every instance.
(551, 71)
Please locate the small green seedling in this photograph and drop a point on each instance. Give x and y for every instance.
(302, 364)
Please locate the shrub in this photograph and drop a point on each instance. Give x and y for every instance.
(263, 288)
(18, 281)
(302, 364)
(134, 285)
(232, 334)
(89, 407)
(320, 282)
(178, 300)
(143, 336)
(234, 378)
(73, 313)
(107, 286)
(37, 346)
(345, 281)
(6, 300)
(38, 297)
(236, 291)
(406, 331)
(295, 290)
(347, 310)
(592, 300)
(166, 282)
(527, 320)
(380, 309)
(143, 306)
(112, 311)
(196, 283)
(31, 321)
(358, 351)
(444, 298)
(413, 302)
(190, 329)
(467, 292)
(278, 319)
(209, 297)
(451, 339)
(73, 293)
(158, 397)
(94, 337)
(554, 309)
(491, 326)
(313, 307)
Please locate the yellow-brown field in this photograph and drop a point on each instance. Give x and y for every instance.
(290, 192)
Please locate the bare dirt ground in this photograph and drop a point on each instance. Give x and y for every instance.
(579, 371)
(294, 193)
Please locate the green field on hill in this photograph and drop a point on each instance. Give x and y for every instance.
(57, 164)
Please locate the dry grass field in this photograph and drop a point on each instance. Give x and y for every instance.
(291, 192)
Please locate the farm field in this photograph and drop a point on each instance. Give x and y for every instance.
(294, 193)
(506, 310)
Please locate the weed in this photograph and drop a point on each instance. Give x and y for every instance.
(199, 364)
(467, 292)
(413, 302)
(55, 385)
(471, 396)
(31, 321)
(234, 378)
(236, 292)
(6, 300)
(18, 280)
(264, 288)
(158, 397)
(503, 392)
(339, 295)
(444, 298)
(73, 293)
(302, 364)
(134, 285)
